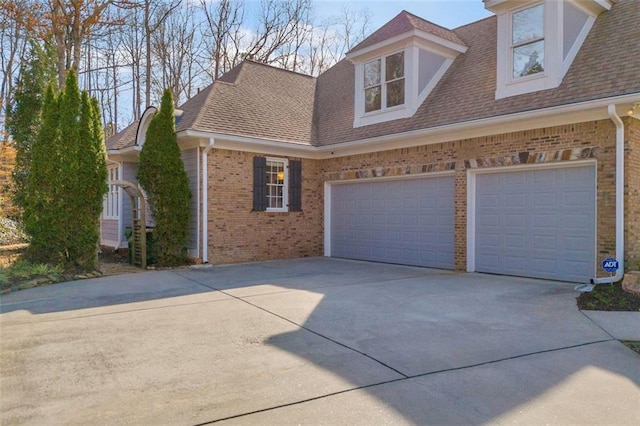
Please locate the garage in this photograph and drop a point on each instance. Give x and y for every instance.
(537, 223)
(402, 221)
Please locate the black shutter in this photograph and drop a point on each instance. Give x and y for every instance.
(295, 186)
(259, 184)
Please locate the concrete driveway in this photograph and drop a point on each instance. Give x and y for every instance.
(320, 341)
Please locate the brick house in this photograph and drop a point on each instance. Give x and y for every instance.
(509, 145)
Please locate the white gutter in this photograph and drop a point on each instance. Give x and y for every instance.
(619, 198)
(552, 116)
(205, 202)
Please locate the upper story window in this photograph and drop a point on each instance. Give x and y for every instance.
(527, 41)
(397, 67)
(387, 93)
(538, 40)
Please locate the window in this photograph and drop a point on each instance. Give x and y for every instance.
(527, 41)
(277, 184)
(389, 92)
(112, 198)
(537, 43)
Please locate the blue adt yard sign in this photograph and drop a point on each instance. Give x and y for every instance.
(610, 264)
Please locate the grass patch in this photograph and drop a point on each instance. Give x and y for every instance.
(609, 297)
(22, 271)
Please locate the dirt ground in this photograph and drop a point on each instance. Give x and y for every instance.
(112, 262)
(109, 262)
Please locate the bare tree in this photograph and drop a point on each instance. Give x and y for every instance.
(278, 25)
(173, 45)
(15, 25)
(155, 13)
(222, 25)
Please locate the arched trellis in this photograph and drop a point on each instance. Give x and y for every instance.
(139, 222)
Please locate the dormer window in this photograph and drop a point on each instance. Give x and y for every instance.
(389, 93)
(538, 40)
(527, 41)
(398, 66)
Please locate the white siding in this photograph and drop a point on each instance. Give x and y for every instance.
(190, 160)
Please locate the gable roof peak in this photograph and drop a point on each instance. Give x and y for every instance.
(402, 23)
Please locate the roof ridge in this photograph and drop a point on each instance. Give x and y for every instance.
(253, 61)
(426, 20)
(200, 111)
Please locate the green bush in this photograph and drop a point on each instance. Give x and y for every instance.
(161, 174)
(67, 181)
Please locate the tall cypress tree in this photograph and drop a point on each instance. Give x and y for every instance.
(91, 184)
(161, 174)
(67, 181)
(24, 119)
(42, 200)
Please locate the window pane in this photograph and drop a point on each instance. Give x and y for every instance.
(372, 73)
(395, 66)
(528, 59)
(275, 184)
(528, 24)
(395, 93)
(372, 99)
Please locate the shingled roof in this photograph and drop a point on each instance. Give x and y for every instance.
(405, 22)
(606, 66)
(253, 100)
(260, 101)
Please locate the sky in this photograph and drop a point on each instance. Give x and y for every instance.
(447, 13)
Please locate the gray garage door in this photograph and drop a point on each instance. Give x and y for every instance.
(407, 221)
(537, 223)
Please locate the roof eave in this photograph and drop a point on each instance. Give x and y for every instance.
(553, 116)
(453, 48)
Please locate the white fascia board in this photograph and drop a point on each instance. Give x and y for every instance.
(129, 154)
(553, 116)
(257, 145)
(434, 42)
(441, 42)
(593, 7)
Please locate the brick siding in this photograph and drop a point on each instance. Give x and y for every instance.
(547, 145)
(238, 234)
(632, 194)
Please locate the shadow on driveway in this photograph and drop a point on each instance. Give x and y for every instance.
(332, 341)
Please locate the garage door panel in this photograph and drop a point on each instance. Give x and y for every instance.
(409, 221)
(554, 234)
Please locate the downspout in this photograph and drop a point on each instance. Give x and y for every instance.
(619, 199)
(205, 202)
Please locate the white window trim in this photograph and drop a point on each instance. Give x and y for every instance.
(285, 187)
(550, 78)
(411, 43)
(109, 211)
(555, 64)
(513, 46)
(384, 114)
(383, 84)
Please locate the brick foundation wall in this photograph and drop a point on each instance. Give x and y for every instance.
(238, 234)
(632, 194)
(592, 140)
